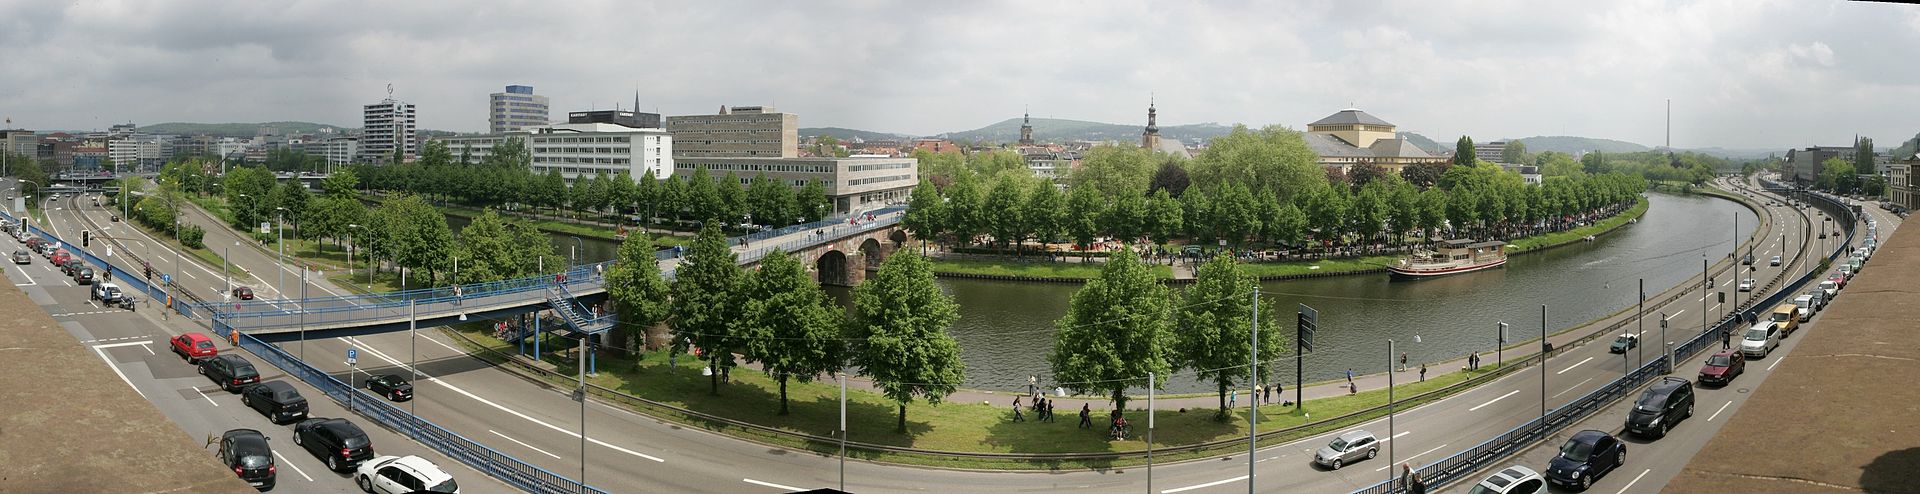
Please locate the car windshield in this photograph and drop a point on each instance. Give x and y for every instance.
(1576, 450)
(1651, 401)
(1756, 334)
(244, 370)
(256, 461)
(204, 344)
(1338, 445)
(1780, 316)
(447, 486)
(1720, 360)
(355, 439)
(286, 395)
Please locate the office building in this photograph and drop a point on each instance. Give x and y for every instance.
(1901, 189)
(388, 125)
(1491, 152)
(131, 153)
(516, 109)
(584, 148)
(1352, 137)
(20, 142)
(1804, 165)
(743, 131)
(341, 150)
(855, 184)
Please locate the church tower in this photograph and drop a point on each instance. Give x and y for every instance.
(1026, 129)
(1151, 138)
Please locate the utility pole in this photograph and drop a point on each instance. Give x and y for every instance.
(1390, 444)
(1253, 405)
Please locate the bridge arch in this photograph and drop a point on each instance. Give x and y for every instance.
(871, 253)
(831, 269)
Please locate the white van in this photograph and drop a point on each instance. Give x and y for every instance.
(1806, 305)
(1760, 340)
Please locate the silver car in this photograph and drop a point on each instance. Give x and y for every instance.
(21, 256)
(1349, 447)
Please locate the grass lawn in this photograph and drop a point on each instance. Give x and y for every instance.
(1343, 265)
(1037, 267)
(962, 427)
(1538, 241)
(203, 254)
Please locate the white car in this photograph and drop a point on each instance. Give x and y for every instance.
(403, 474)
(1746, 285)
(1774, 262)
(1512, 480)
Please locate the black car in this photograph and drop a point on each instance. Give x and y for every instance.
(231, 372)
(277, 400)
(1748, 260)
(83, 276)
(1669, 400)
(391, 386)
(1586, 457)
(246, 452)
(336, 441)
(67, 268)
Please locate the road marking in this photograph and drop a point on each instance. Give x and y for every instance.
(1415, 455)
(1206, 485)
(1576, 386)
(296, 468)
(773, 485)
(1490, 402)
(1570, 367)
(1396, 436)
(1716, 413)
(529, 446)
(1676, 314)
(435, 380)
(204, 395)
(1776, 362)
(23, 272)
(1636, 478)
(101, 350)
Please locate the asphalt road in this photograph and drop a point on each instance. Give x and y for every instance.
(633, 453)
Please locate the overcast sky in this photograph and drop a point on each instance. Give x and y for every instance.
(1741, 73)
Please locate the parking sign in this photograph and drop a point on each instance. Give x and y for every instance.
(353, 356)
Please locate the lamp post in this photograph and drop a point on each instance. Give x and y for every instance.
(280, 242)
(575, 253)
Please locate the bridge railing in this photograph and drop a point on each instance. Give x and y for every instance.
(340, 308)
(837, 230)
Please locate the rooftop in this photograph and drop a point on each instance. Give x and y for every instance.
(1350, 116)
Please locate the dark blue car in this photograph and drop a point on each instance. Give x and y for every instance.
(1586, 457)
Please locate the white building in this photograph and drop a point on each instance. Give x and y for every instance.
(134, 153)
(515, 110)
(853, 184)
(582, 149)
(388, 124)
(341, 150)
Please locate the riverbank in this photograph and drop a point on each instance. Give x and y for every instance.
(1071, 271)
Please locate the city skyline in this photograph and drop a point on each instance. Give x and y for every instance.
(1740, 74)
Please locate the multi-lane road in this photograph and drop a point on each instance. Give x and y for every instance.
(626, 452)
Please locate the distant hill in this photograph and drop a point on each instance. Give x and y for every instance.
(1739, 154)
(1425, 144)
(846, 134)
(1906, 149)
(1062, 130)
(1577, 145)
(236, 129)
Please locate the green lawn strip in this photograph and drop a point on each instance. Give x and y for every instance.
(958, 427)
(1341, 265)
(1037, 267)
(1556, 238)
(203, 254)
(215, 205)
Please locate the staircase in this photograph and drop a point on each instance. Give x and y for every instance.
(578, 318)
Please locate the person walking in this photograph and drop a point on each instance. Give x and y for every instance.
(1349, 375)
(1086, 416)
(1418, 486)
(1266, 394)
(1423, 372)
(1232, 398)
(1033, 383)
(1726, 338)
(1403, 361)
(1406, 477)
(1050, 411)
(1017, 417)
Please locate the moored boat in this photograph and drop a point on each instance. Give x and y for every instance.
(1451, 257)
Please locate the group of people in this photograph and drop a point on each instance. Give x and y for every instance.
(1041, 406)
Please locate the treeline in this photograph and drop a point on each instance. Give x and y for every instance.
(505, 179)
(1250, 187)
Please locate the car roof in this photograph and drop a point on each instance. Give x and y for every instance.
(1351, 436)
(1726, 353)
(1587, 436)
(432, 473)
(340, 425)
(190, 336)
(276, 386)
(1507, 476)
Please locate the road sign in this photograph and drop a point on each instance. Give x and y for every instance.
(353, 356)
(266, 227)
(166, 279)
(1503, 333)
(1308, 322)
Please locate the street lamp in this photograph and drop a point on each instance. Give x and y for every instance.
(575, 253)
(281, 242)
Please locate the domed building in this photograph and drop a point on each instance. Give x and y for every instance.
(1351, 137)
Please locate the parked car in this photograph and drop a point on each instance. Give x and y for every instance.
(243, 292)
(34, 243)
(1775, 261)
(60, 257)
(391, 386)
(336, 441)
(1746, 285)
(1721, 368)
(1511, 480)
(1760, 340)
(247, 453)
(231, 372)
(277, 400)
(1347, 448)
(1831, 288)
(1585, 457)
(193, 346)
(1819, 299)
(402, 475)
(1626, 341)
(83, 276)
(1666, 402)
(68, 266)
(21, 256)
(1807, 307)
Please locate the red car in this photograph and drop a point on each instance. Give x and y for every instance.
(243, 293)
(1839, 280)
(61, 257)
(194, 346)
(1722, 367)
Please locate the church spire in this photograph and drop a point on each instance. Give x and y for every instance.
(1150, 139)
(1026, 128)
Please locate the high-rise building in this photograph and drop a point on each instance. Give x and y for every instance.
(517, 108)
(1491, 152)
(388, 125)
(741, 132)
(590, 143)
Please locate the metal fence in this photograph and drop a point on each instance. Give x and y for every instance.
(1497, 449)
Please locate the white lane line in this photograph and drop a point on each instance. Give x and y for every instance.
(1206, 485)
(1715, 306)
(435, 380)
(1415, 455)
(1576, 386)
(118, 345)
(1570, 367)
(773, 485)
(23, 272)
(1396, 436)
(1676, 314)
(296, 468)
(1776, 362)
(1490, 402)
(189, 274)
(529, 446)
(101, 350)
(1716, 413)
(204, 395)
(1636, 478)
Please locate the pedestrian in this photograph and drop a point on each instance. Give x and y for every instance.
(1233, 397)
(1049, 411)
(1406, 477)
(1086, 416)
(1726, 338)
(1033, 386)
(1266, 395)
(1423, 372)
(1017, 417)
(1403, 361)
(1349, 375)
(1352, 388)
(456, 295)
(1419, 487)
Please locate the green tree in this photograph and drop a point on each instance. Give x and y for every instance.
(1837, 175)
(1118, 328)
(1115, 170)
(1171, 177)
(733, 198)
(965, 217)
(511, 152)
(707, 306)
(1287, 224)
(1557, 164)
(489, 249)
(341, 183)
(703, 197)
(246, 189)
(640, 296)
(1084, 209)
(1165, 219)
(1463, 151)
(1515, 153)
(814, 203)
(293, 196)
(1044, 211)
(1215, 322)
(1273, 160)
(1863, 156)
(646, 197)
(770, 202)
(1594, 163)
(899, 333)
(1002, 212)
(793, 329)
(553, 189)
(1126, 219)
(926, 213)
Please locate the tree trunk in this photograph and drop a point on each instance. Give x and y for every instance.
(713, 364)
(1120, 398)
(783, 394)
(1222, 416)
(902, 428)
